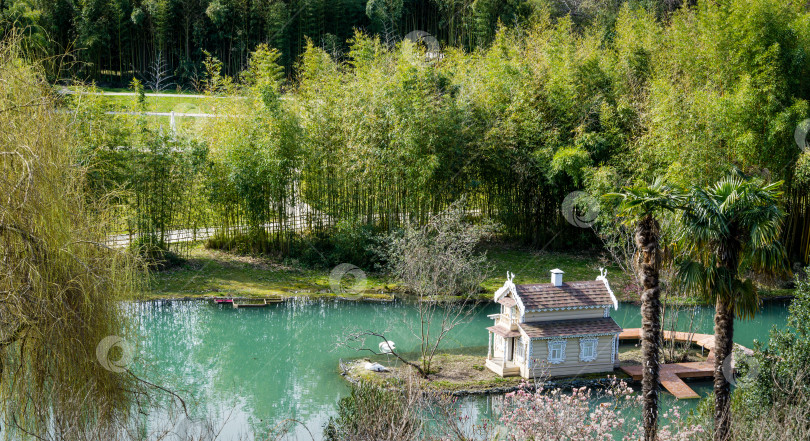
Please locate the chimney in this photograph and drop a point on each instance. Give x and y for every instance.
(556, 276)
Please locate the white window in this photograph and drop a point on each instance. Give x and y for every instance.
(556, 351)
(587, 349)
(520, 350)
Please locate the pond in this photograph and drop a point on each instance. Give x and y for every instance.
(249, 369)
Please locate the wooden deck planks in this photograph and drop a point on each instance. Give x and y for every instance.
(705, 341)
(677, 387)
(671, 375)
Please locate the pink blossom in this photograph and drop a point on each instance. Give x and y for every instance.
(542, 414)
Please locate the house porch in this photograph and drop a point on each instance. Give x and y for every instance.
(504, 369)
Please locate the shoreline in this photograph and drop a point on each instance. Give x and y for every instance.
(384, 298)
(352, 372)
(208, 273)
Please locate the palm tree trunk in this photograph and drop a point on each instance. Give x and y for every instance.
(723, 344)
(728, 255)
(647, 234)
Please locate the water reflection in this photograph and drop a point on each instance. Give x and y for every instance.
(250, 369)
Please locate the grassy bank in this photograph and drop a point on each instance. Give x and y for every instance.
(216, 273)
(463, 373)
(209, 273)
(453, 372)
(212, 273)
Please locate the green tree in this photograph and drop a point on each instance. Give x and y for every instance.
(385, 14)
(60, 285)
(642, 205)
(730, 228)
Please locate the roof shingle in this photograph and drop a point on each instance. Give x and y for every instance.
(543, 296)
(503, 332)
(570, 328)
(507, 301)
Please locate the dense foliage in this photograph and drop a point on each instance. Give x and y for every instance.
(384, 134)
(370, 412)
(118, 39)
(778, 372)
(60, 285)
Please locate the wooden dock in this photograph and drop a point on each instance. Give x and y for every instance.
(246, 302)
(671, 375)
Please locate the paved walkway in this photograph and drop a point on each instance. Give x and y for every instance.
(672, 374)
(67, 91)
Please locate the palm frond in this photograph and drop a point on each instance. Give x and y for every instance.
(770, 258)
(643, 200)
(692, 277)
(738, 212)
(746, 299)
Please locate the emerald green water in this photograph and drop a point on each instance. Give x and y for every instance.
(249, 369)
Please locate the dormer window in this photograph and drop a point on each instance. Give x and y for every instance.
(556, 351)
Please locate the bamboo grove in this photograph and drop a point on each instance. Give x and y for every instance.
(113, 41)
(353, 146)
(116, 40)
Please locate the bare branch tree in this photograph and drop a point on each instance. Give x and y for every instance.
(158, 75)
(618, 241)
(441, 267)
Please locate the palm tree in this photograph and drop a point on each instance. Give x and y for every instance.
(641, 205)
(732, 225)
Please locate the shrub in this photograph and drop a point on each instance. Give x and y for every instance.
(372, 413)
(155, 253)
(778, 373)
(551, 414)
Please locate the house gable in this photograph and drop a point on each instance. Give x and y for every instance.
(570, 295)
(509, 291)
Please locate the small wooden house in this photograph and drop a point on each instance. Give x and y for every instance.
(554, 329)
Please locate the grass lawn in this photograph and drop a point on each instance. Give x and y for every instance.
(209, 273)
(215, 273)
(166, 92)
(452, 372)
(178, 104)
(531, 266)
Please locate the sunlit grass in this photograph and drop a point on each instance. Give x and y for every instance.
(179, 104)
(216, 273)
(530, 266)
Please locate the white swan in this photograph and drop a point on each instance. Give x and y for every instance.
(376, 367)
(387, 347)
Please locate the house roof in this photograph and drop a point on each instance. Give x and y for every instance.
(571, 328)
(507, 301)
(570, 295)
(503, 331)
